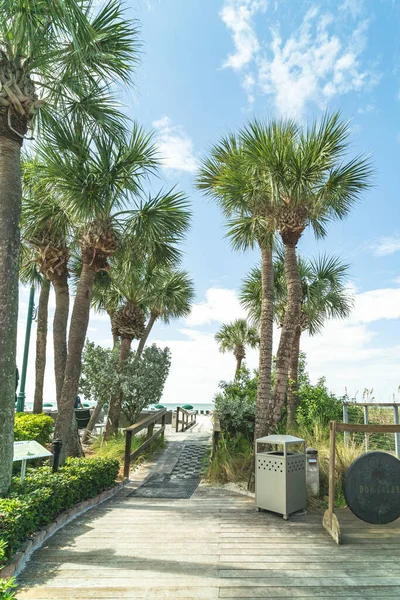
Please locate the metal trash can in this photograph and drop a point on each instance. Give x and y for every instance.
(281, 475)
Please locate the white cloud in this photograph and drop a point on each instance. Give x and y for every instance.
(238, 17)
(175, 147)
(312, 66)
(221, 305)
(354, 7)
(315, 63)
(386, 245)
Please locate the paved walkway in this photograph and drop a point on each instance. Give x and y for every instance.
(213, 545)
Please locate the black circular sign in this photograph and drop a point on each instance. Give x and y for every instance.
(372, 487)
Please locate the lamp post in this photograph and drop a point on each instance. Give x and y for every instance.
(21, 394)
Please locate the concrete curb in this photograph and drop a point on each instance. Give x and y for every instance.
(21, 557)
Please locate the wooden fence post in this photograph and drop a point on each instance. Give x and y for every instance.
(346, 420)
(127, 458)
(366, 435)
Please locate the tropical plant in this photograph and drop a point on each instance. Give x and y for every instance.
(94, 177)
(169, 296)
(311, 184)
(227, 176)
(159, 290)
(324, 296)
(234, 337)
(55, 57)
(235, 405)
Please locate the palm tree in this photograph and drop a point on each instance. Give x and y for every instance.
(55, 57)
(170, 296)
(324, 296)
(94, 176)
(311, 185)
(29, 274)
(237, 175)
(234, 337)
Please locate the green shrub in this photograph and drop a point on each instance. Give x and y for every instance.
(235, 405)
(7, 588)
(33, 427)
(43, 495)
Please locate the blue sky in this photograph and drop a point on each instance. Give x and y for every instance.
(207, 67)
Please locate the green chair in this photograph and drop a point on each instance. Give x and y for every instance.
(82, 417)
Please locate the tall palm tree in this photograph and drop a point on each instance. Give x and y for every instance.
(237, 174)
(54, 57)
(324, 296)
(94, 176)
(29, 274)
(170, 296)
(234, 337)
(311, 185)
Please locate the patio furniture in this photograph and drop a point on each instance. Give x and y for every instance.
(82, 417)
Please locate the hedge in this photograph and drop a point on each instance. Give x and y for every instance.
(33, 427)
(43, 495)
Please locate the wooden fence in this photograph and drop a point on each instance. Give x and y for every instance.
(366, 406)
(188, 419)
(146, 423)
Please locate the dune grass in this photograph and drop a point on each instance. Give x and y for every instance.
(115, 447)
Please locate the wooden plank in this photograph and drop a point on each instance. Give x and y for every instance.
(146, 444)
(358, 427)
(146, 421)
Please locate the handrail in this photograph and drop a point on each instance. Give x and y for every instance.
(147, 422)
(185, 417)
(216, 434)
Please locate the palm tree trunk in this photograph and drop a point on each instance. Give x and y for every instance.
(290, 323)
(41, 342)
(239, 360)
(10, 210)
(266, 331)
(114, 412)
(153, 318)
(76, 341)
(60, 323)
(292, 393)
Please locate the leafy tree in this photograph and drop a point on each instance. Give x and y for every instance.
(55, 57)
(99, 376)
(324, 296)
(143, 381)
(235, 405)
(234, 337)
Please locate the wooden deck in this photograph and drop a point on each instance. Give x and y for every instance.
(214, 545)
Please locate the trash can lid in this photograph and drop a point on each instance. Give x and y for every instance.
(280, 439)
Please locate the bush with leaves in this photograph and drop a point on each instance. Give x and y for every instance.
(235, 404)
(43, 495)
(318, 405)
(33, 427)
(99, 374)
(142, 381)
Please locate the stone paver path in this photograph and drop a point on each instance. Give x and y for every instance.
(213, 545)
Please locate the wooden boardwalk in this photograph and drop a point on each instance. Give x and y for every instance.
(214, 545)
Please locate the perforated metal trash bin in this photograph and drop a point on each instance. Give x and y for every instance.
(281, 474)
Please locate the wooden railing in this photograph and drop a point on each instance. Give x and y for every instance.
(366, 406)
(188, 418)
(147, 422)
(216, 434)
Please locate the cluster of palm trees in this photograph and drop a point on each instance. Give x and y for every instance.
(86, 217)
(273, 180)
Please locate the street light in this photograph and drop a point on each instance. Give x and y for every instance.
(21, 395)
